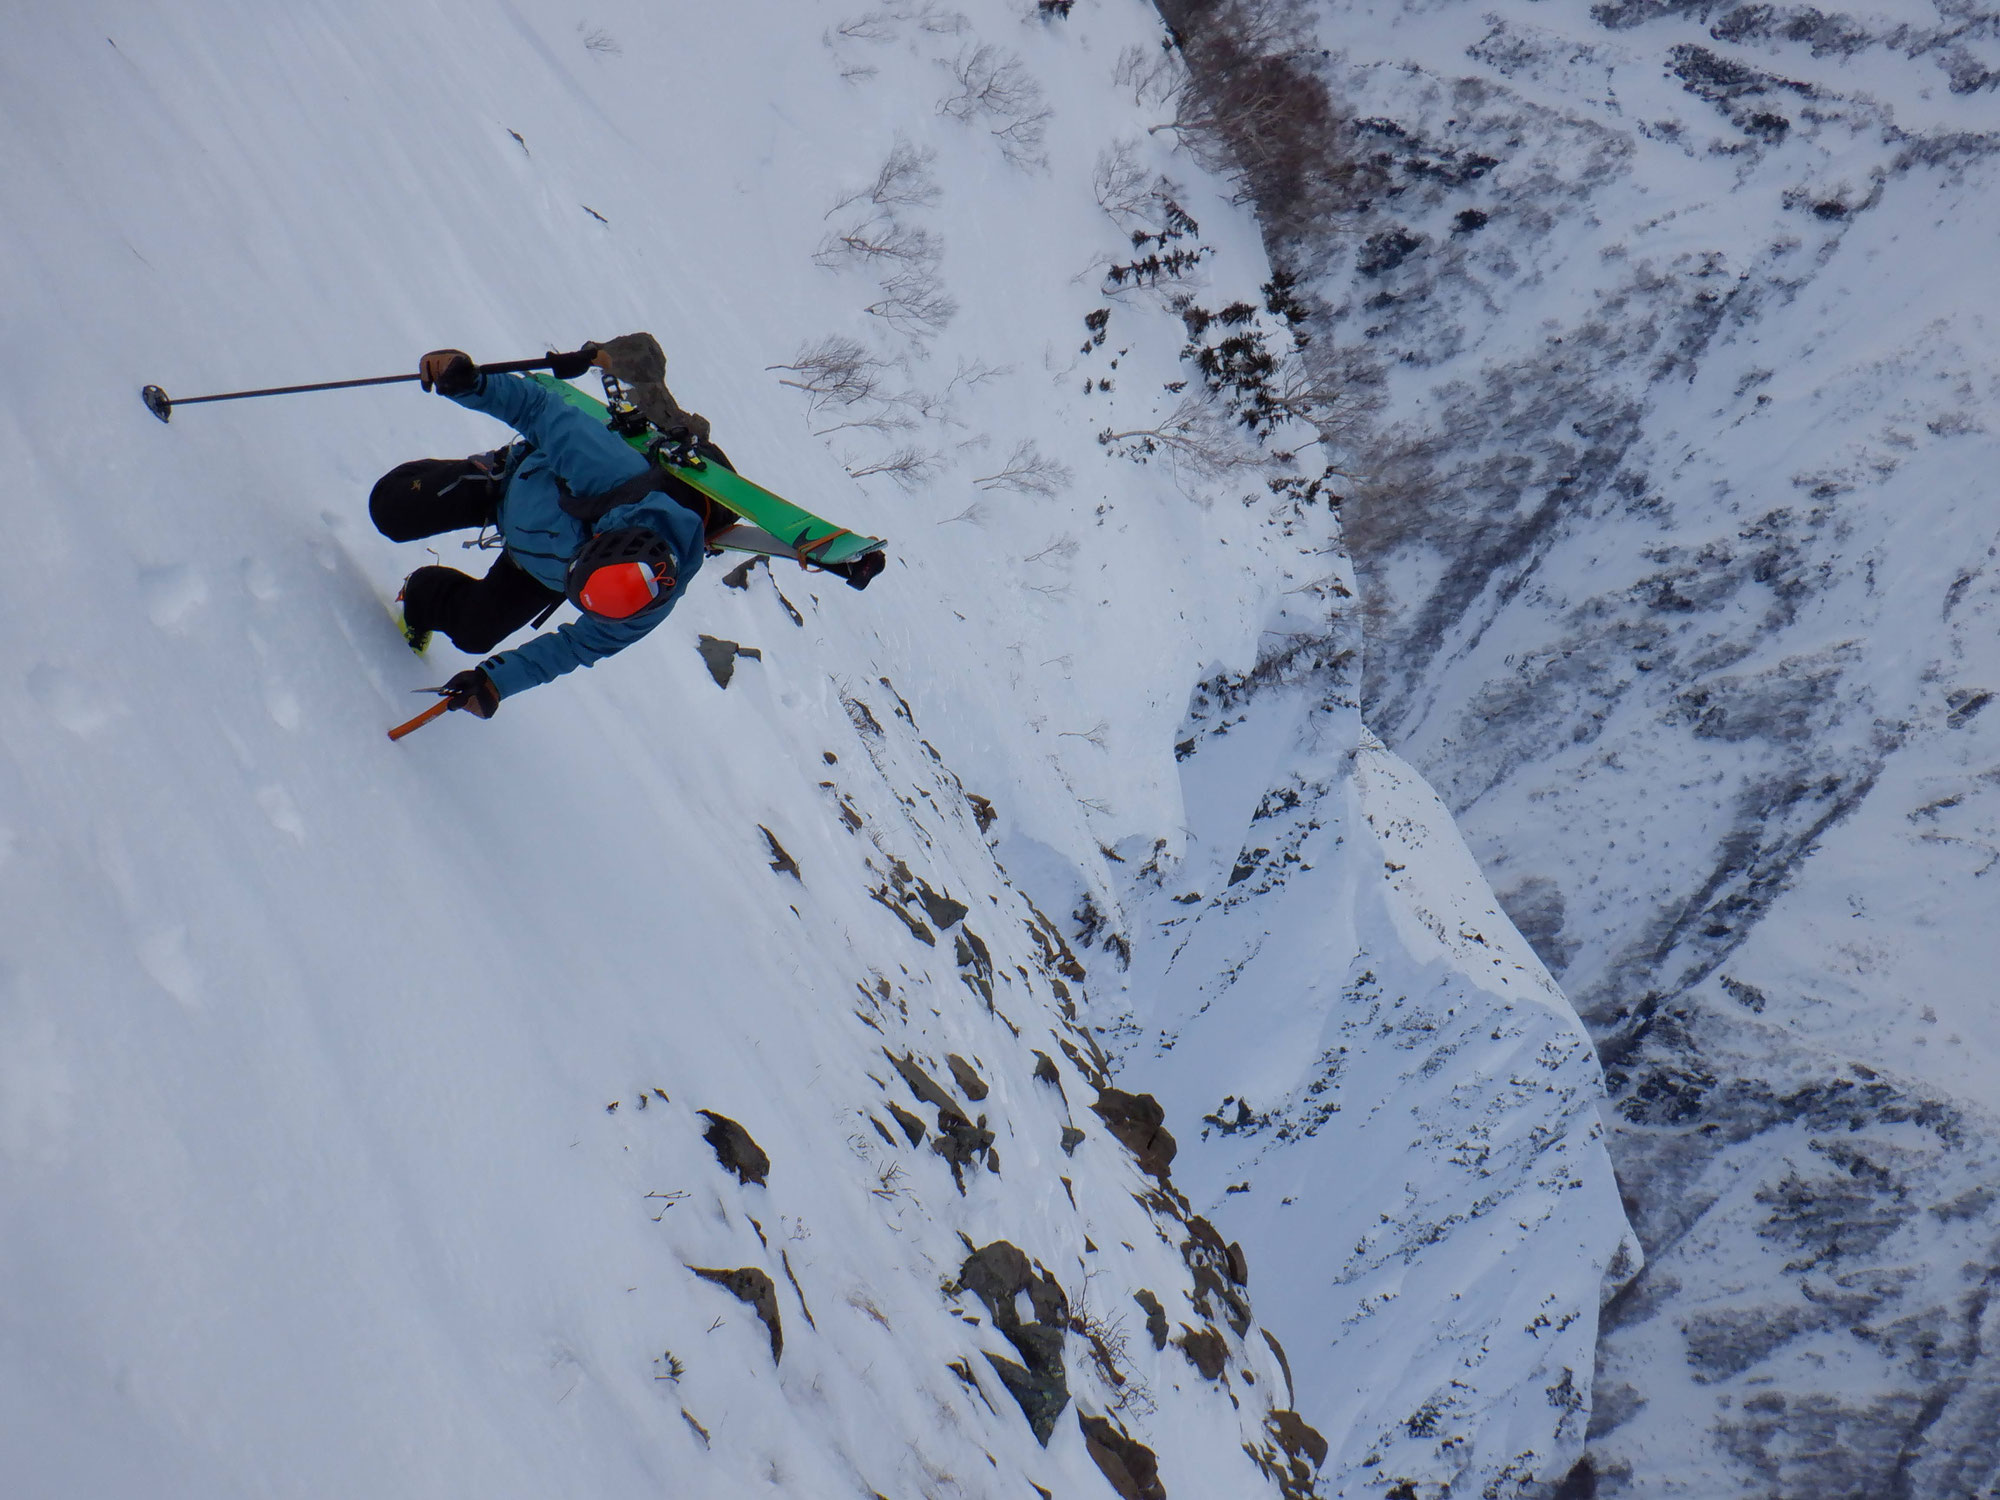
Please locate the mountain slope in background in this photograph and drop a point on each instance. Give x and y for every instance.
(1679, 543)
(676, 1084)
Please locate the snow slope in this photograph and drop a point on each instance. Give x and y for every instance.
(1681, 536)
(350, 1131)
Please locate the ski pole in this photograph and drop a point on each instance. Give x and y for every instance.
(161, 405)
(421, 719)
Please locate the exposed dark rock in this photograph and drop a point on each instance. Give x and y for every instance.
(792, 1276)
(1580, 1483)
(1156, 1317)
(968, 1080)
(734, 1148)
(942, 910)
(912, 1126)
(1297, 1437)
(1071, 1139)
(907, 917)
(781, 862)
(1045, 1070)
(975, 964)
(719, 657)
(1128, 1464)
(1041, 1395)
(1206, 1349)
(749, 1284)
(997, 1274)
(961, 1142)
(1137, 1120)
(982, 811)
(923, 1085)
(1216, 1275)
(1089, 1069)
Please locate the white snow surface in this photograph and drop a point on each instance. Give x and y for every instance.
(349, 1091)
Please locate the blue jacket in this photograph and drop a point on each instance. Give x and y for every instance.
(567, 447)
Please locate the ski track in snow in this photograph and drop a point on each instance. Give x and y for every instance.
(349, 1092)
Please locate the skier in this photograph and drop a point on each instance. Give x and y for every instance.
(579, 515)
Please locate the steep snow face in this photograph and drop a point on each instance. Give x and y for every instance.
(1686, 581)
(1396, 1102)
(677, 1084)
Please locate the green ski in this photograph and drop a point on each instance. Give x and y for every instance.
(792, 530)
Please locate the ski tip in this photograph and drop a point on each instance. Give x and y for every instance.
(158, 402)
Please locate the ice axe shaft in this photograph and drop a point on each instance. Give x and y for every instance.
(161, 405)
(423, 719)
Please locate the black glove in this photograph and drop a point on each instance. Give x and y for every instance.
(473, 691)
(449, 372)
(860, 571)
(569, 366)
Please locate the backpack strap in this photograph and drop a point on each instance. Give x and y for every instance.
(590, 509)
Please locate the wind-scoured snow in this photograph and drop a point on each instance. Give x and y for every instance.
(351, 1093)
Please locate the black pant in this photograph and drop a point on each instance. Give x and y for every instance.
(432, 495)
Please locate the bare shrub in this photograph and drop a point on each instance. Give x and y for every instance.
(1151, 73)
(834, 369)
(1406, 499)
(914, 302)
(1119, 182)
(879, 238)
(908, 467)
(904, 180)
(976, 514)
(1193, 437)
(603, 43)
(994, 85)
(1111, 1351)
(1030, 471)
(885, 418)
(875, 26)
(1061, 550)
(934, 17)
(1021, 140)
(1253, 102)
(990, 82)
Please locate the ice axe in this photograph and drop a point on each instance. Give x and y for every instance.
(446, 700)
(161, 405)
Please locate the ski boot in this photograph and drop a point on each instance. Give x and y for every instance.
(419, 640)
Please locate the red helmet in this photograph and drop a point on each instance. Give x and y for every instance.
(621, 572)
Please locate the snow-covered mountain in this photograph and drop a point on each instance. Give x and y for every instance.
(755, 1065)
(1677, 541)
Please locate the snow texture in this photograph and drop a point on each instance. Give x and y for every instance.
(363, 1105)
